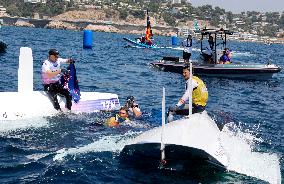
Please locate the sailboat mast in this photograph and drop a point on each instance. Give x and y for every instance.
(148, 28)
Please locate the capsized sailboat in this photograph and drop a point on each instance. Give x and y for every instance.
(191, 143)
(144, 41)
(27, 103)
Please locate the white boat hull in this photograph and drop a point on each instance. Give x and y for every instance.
(15, 105)
(26, 103)
(198, 136)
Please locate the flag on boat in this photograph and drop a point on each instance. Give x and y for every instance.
(70, 82)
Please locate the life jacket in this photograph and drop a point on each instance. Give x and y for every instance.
(119, 119)
(200, 93)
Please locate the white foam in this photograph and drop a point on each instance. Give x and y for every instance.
(107, 143)
(13, 125)
(37, 156)
(236, 53)
(242, 158)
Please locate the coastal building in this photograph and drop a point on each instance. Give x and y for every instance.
(176, 1)
(2, 10)
(34, 1)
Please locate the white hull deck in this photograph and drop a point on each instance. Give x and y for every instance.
(199, 132)
(15, 105)
(26, 103)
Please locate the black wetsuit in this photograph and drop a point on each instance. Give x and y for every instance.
(55, 89)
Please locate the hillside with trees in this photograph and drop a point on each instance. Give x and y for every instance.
(263, 24)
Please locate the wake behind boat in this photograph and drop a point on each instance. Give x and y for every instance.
(27, 103)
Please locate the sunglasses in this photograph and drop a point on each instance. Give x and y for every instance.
(122, 113)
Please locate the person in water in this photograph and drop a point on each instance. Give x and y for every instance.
(121, 117)
(199, 96)
(133, 107)
(187, 48)
(51, 74)
(226, 57)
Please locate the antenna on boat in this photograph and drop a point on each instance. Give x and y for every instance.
(163, 128)
(190, 90)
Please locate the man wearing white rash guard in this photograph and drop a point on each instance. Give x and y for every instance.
(51, 73)
(199, 96)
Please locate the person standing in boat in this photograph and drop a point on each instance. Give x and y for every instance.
(187, 48)
(51, 74)
(199, 96)
(208, 53)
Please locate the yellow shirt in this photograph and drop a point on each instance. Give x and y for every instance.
(199, 93)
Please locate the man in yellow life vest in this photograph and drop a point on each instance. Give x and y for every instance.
(199, 95)
(121, 117)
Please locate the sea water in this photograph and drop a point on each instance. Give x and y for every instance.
(80, 149)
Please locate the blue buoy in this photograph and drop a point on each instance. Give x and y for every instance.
(88, 39)
(174, 40)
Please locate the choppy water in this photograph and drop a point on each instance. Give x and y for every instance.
(76, 149)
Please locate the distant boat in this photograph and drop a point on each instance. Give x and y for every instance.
(3, 47)
(144, 41)
(234, 70)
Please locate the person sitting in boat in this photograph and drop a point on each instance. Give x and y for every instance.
(51, 74)
(208, 53)
(133, 107)
(121, 117)
(138, 40)
(199, 96)
(187, 48)
(143, 39)
(226, 57)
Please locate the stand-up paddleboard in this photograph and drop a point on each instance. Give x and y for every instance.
(27, 103)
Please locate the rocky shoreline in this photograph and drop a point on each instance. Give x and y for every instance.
(91, 20)
(99, 21)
